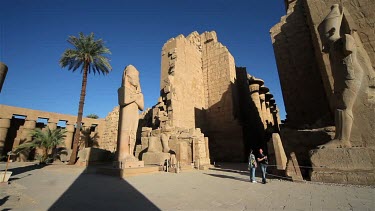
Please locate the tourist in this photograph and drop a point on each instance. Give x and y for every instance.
(263, 161)
(252, 166)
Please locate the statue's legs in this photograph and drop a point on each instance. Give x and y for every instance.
(344, 115)
(132, 142)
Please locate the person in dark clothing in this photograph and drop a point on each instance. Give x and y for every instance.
(263, 161)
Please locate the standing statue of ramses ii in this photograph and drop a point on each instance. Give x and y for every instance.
(130, 99)
(349, 62)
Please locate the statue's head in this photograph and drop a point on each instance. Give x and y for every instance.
(131, 75)
(331, 25)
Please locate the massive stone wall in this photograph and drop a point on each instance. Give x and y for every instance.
(223, 125)
(110, 132)
(182, 79)
(305, 100)
(306, 17)
(198, 89)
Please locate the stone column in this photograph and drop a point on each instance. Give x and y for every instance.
(69, 135)
(268, 110)
(29, 125)
(278, 115)
(207, 147)
(4, 126)
(280, 156)
(262, 96)
(254, 85)
(272, 111)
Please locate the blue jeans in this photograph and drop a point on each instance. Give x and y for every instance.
(263, 167)
(252, 174)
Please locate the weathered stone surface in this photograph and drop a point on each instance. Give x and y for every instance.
(278, 149)
(352, 159)
(197, 83)
(90, 154)
(304, 94)
(345, 165)
(155, 158)
(154, 144)
(338, 53)
(110, 133)
(302, 141)
(130, 99)
(293, 169)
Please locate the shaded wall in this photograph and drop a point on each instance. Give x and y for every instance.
(305, 99)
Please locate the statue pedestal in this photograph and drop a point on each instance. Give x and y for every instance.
(343, 165)
(155, 158)
(124, 164)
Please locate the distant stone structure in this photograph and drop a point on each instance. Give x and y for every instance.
(110, 131)
(16, 123)
(325, 56)
(3, 74)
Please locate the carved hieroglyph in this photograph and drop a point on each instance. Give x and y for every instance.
(130, 100)
(343, 45)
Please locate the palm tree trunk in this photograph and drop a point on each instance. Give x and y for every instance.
(73, 156)
(45, 156)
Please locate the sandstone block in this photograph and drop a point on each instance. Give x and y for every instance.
(344, 165)
(155, 158)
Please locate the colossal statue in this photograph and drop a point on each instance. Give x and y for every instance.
(130, 99)
(343, 45)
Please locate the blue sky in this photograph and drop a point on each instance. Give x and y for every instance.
(33, 36)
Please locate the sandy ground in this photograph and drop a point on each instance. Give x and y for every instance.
(61, 187)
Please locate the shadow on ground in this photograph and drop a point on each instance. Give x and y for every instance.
(19, 170)
(100, 192)
(241, 169)
(228, 177)
(3, 200)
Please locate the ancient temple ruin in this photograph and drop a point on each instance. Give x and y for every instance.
(16, 124)
(325, 56)
(208, 110)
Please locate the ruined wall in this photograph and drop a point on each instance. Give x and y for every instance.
(181, 74)
(224, 129)
(305, 100)
(14, 131)
(198, 88)
(110, 132)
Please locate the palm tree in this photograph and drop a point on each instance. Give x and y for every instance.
(46, 140)
(88, 55)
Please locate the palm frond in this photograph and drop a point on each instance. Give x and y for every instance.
(86, 50)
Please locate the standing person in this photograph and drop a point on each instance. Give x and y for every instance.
(263, 161)
(252, 166)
